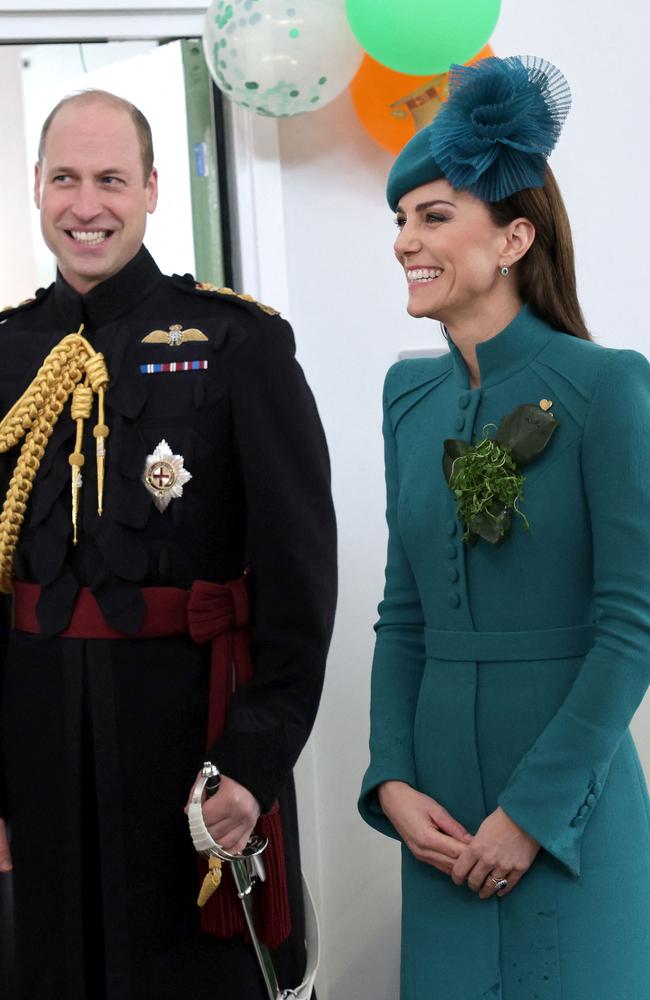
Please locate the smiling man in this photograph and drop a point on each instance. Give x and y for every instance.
(176, 497)
(94, 185)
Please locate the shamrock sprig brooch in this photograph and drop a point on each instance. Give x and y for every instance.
(485, 476)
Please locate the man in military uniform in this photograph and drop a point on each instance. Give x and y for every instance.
(173, 473)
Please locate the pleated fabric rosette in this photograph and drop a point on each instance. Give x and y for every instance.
(502, 120)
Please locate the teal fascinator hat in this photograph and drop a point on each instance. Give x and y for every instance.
(502, 120)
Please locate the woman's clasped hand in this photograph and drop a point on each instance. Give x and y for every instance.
(499, 849)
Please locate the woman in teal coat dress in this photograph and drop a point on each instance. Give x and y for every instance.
(505, 675)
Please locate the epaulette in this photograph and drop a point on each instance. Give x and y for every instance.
(25, 302)
(6, 311)
(188, 282)
(207, 286)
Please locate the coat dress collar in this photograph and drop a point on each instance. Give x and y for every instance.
(507, 352)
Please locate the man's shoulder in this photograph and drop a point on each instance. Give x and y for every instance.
(216, 296)
(10, 315)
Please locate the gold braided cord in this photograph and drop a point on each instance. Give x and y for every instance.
(34, 417)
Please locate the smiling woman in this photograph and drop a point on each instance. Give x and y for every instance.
(501, 695)
(447, 243)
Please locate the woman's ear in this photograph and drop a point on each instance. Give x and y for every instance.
(520, 234)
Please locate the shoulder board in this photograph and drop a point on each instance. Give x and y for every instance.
(7, 311)
(25, 302)
(206, 286)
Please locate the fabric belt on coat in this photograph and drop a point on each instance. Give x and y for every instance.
(208, 612)
(486, 647)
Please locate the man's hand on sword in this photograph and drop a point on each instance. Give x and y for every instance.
(230, 815)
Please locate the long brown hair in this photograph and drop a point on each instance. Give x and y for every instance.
(546, 274)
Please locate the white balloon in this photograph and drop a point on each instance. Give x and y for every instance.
(280, 57)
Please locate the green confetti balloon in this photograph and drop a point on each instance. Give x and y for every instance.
(280, 57)
(422, 36)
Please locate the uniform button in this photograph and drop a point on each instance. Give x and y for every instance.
(596, 787)
(452, 573)
(582, 812)
(454, 599)
(451, 528)
(463, 401)
(590, 800)
(452, 551)
(459, 423)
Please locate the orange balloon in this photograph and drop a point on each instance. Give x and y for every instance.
(393, 106)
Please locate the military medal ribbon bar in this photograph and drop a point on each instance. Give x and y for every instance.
(173, 366)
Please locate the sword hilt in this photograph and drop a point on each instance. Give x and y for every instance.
(243, 866)
(204, 842)
(213, 775)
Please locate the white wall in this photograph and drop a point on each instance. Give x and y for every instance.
(347, 300)
(18, 277)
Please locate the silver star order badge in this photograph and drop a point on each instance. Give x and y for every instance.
(165, 475)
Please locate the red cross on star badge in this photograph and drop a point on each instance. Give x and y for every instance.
(165, 475)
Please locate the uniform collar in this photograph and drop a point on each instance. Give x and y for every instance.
(112, 298)
(508, 351)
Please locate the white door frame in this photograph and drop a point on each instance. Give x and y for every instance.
(253, 148)
(49, 20)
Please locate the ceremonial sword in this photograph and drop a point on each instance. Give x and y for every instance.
(247, 869)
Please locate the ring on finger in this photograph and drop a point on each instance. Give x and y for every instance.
(498, 881)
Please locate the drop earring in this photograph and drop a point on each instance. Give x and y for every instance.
(504, 271)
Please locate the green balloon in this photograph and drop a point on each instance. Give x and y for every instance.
(422, 36)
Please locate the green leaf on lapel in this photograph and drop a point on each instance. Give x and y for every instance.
(453, 449)
(485, 476)
(526, 432)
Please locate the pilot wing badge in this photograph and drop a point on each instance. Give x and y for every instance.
(174, 337)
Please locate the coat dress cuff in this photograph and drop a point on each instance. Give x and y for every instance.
(369, 805)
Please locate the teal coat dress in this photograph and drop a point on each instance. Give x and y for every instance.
(509, 675)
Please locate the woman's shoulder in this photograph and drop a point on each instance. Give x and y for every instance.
(411, 374)
(585, 364)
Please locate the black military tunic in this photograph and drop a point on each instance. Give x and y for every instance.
(101, 740)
